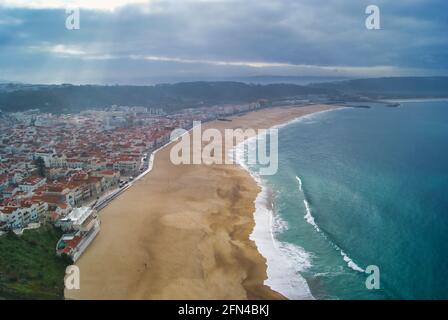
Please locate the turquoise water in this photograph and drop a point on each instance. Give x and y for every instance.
(376, 183)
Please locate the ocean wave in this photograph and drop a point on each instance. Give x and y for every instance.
(310, 219)
(350, 262)
(278, 225)
(300, 182)
(307, 117)
(284, 260)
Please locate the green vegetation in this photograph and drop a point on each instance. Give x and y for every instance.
(68, 98)
(40, 166)
(170, 97)
(29, 267)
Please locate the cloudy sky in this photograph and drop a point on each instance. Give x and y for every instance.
(147, 41)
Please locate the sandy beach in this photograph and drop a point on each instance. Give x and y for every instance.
(182, 232)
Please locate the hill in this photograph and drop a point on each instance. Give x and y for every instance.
(393, 87)
(71, 98)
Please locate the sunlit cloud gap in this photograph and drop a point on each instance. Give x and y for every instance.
(67, 51)
(64, 51)
(257, 64)
(61, 4)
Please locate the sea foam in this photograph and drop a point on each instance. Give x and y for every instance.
(284, 260)
(300, 182)
(310, 219)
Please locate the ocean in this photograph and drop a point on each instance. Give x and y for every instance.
(358, 187)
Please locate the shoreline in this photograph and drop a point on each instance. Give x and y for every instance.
(277, 255)
(175, 245)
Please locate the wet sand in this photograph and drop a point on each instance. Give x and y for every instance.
(182, 232)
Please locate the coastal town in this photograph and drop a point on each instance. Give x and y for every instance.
(62, 169)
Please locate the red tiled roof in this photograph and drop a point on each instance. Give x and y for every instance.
(9, 210)
(107, 172)
(32, 180)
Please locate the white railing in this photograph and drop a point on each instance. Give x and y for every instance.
(85, 242)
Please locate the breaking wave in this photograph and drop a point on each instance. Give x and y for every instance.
(310, 219)
(284, 260)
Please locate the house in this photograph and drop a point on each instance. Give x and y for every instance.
(58, 212)
(80, 182)
(62, 190)
(55, 161)
(97, 185)
(83, 225)
(10, 192)
(76, 218)
(111, 177)
(3, 182)
(125, 164)
(75, 163)
(53, 201)
(20, 217)
(56, 173)
(68, 243)
(33, 210)
(41, 207)
(12, 217)
(31, 183)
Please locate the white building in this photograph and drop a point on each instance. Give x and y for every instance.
(83, 225)
(55, 161)
(126, 164)
(32, 183)
(76, 218)
(20, 217)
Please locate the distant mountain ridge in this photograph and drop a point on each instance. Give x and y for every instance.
(64, 98)
(391, 87)
(171, 97)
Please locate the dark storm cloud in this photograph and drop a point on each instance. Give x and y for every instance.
(200, 39)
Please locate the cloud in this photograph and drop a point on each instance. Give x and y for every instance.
(215, 38)
(10, 21)
(378, 70)
(62, 49)
(252, 64)
(60, 4)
